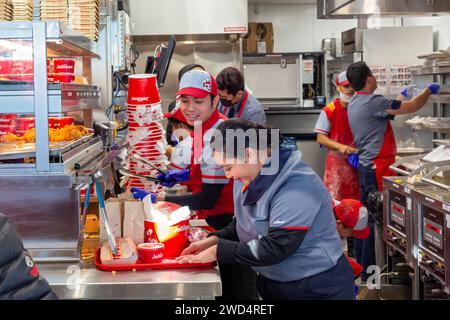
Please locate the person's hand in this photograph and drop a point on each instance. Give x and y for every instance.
(200, 246)
(346, 150)
(353, 160)
(408, 91)
(172, 177)
(141, 194)
(434, 88)
(207, 255)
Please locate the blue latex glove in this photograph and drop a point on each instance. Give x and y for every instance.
(408, 91)
(172, 177)
(141, 194)
(353, 160)
(434, 88)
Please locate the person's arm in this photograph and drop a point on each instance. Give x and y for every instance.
(413, 105)
(204, 200)
(289, 224)
(229, 232)
(19, 276)
(273, 248)
(334, 145)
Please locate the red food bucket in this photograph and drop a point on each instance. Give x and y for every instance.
(6, 66)
(173, 237)
(150, 252)
(64, 66)
(53, 122)
(8, 119)
(142, 89)
(50, 77)
(65, 121)
(22, 66)
(63, 77)
(7, 129)
(24, 124)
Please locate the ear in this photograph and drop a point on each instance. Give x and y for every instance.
(251, 156)
(216, 101)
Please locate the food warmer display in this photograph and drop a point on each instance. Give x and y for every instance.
(47, 146)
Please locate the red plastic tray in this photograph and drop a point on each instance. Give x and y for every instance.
(165, 264)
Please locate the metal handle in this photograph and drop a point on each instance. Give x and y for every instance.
(437, 184)
(109, 233)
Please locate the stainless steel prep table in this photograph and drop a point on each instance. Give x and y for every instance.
(70, 281)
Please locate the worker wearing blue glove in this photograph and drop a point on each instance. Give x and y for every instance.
(370, 117)
(141, 194)
(353, 160)
(173, 177)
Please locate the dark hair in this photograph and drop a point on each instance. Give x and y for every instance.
(230, 79)
(264, 139)
(187, 68)
(171, 122)
(357, 74)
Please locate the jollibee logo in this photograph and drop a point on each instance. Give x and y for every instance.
(157, 256)
(207, 85)
(64, 66)
(139, 99)
(181, 229)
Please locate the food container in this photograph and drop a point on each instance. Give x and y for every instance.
(8, 119)
(64, 77)
(151, 252)
(24, 124)
(7, 129)
(64, 66)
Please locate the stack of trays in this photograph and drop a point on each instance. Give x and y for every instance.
(6, 10)
(84, 17)
(23, 10)
(53, 10)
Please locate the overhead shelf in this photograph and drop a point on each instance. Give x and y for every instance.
(19, 98)
(440, 98)
(430, 71)
(61, 41)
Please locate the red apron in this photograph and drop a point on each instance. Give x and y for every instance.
(386, 157)
(224, 204)
(241, 107)
(340, 178)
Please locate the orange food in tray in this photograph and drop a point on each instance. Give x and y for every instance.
(67, 133)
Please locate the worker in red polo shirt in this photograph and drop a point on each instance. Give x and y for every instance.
(333, 131)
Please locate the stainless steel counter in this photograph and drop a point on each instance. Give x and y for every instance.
(71, 281)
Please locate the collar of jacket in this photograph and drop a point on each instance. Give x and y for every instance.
(259, 186)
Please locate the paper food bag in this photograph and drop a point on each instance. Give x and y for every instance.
(114, 213)
(133, 221)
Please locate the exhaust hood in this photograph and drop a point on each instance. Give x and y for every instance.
(353, 9)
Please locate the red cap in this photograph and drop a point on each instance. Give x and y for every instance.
(341, 79)
(176, 112)
(197, 83)
(353, 215)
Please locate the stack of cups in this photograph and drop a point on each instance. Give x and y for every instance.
(146, 134)
(63, 70)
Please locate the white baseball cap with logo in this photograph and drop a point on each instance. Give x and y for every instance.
(198, 84)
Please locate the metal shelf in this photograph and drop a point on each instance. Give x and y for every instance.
(440, 98)
(61, 98)
(430, 71)
(61, 41)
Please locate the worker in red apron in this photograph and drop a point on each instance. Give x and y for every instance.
(212, 191)
(369, 117)
(333, 131)
(235, 100)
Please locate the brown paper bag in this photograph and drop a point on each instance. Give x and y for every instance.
(114, 209)
(133, 221)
